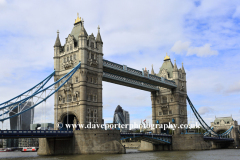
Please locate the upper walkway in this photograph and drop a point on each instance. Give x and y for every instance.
(123, 75)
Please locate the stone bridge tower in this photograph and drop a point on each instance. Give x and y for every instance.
(80, 99)
(169, 105)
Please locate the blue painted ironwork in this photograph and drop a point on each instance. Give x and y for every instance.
(207, 133)
(67, 76)
(218, 139)
(18, 103)
(130, 81)
(199, 118)
(43, 81)
(124, 68)
(204, 124)
(34, 134)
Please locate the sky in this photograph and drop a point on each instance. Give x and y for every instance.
(204, 35)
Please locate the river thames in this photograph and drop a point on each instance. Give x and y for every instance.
(133, 154)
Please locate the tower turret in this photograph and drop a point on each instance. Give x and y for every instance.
(99, 41)
(57, 49)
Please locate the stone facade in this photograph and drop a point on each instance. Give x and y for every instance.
(81, 97)
(222, 124)
(83, 142)
(170, 105)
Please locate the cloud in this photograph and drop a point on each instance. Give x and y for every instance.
(180, 47)
(203, 51)
(2, 2)
(234, 88)
(184, 47)
(236, 14)
(204, 110)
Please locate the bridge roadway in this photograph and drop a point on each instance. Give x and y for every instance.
(149, 137)
(123, 75)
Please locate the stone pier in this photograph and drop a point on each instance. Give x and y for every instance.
(83, 142)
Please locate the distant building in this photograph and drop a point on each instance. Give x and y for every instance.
(222, 124)
(121, 116)
(23, 121)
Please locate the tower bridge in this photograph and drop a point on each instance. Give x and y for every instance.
(79, 71)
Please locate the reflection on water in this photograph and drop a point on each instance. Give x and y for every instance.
(133, 154)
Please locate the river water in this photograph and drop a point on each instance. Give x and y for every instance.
(133, 154)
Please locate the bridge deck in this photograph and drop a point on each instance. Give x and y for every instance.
(5, 134)
(218, 139)
(115, 71)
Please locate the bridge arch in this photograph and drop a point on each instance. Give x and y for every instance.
(71, 115)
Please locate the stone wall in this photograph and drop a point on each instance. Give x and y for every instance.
(190, 142)
(83, 142)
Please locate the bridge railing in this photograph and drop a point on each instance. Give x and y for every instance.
(124, 68)
(34, 132)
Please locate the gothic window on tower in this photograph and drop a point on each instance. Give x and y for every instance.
(164, 98)
(92, 56)
(88, 110)
(160, 113)
(165, 112)
(76, 79)
(74, 57)
(92, 45)
(63, 100)
(158, 101)
(91, 97)
(67, 48)
(170, 112)
(64, 60)
(69, 98)
(74, 97)
(171, 99)
(87, 78)
(91, 113)
(70, 47)
(67, 59)
(91, 79)
(95, 110)
(71, 58)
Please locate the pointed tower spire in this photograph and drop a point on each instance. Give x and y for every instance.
(57, 42)
(183, 70)
(152, 72)
(99, 39)
(83, 32)
(175, 66)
